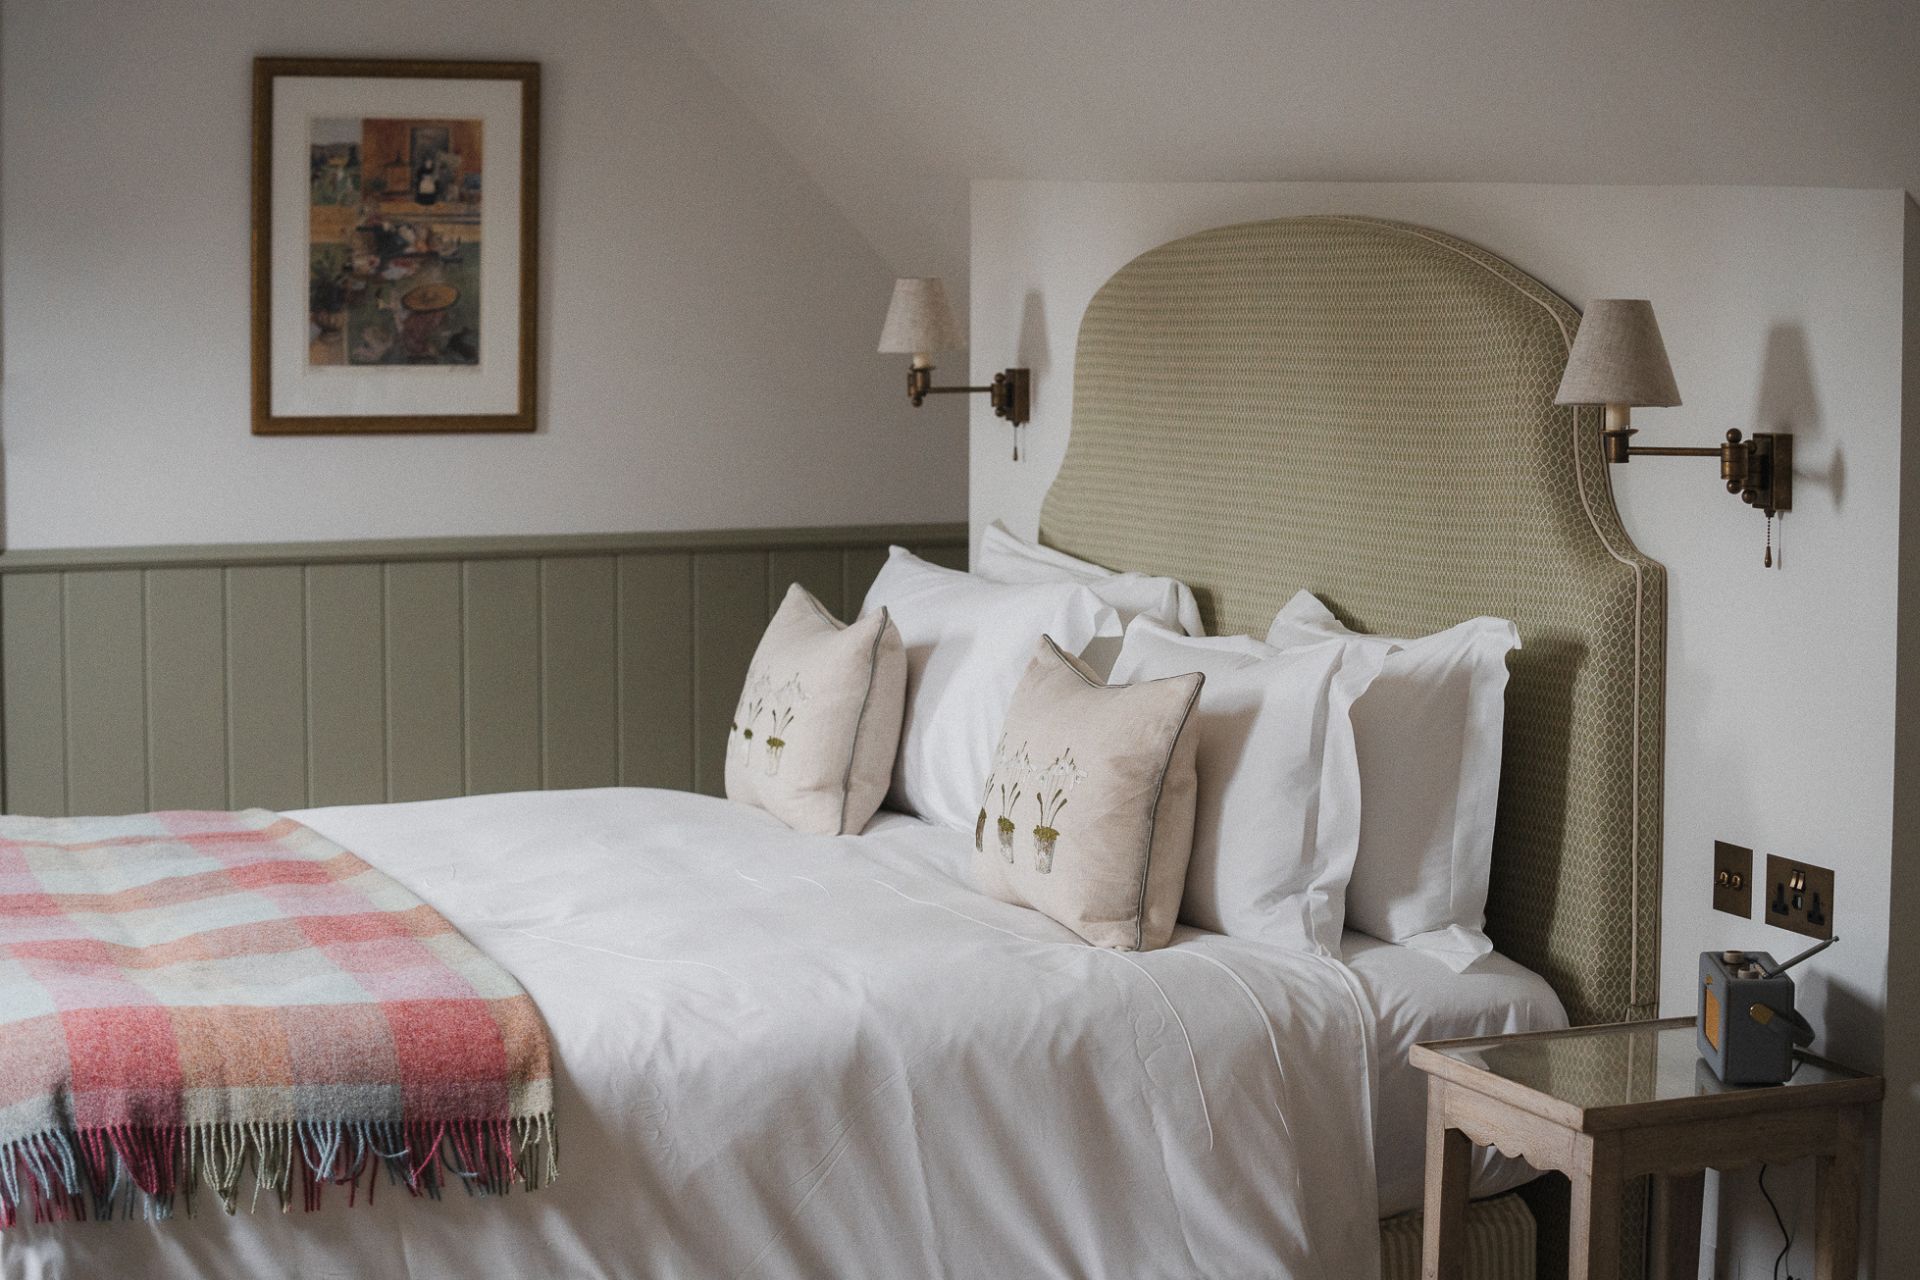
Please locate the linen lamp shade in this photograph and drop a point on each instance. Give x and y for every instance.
(1618, 358)
(920, 321)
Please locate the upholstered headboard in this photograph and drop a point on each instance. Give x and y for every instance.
(1365, 409)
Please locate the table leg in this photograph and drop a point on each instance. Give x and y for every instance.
(1676, 1225)
(1593, 1229)
(1836, 1202)
(1449, 1160)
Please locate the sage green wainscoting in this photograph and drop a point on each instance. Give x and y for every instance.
(351, 672)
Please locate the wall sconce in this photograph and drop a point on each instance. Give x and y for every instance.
(1619, 361)
(920, 322)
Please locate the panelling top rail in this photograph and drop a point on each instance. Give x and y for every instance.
(499, 547)
(1365, 409)
(355, 672)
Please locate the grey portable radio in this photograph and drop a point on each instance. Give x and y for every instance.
(1748, 1028)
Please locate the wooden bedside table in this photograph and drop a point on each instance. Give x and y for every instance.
(1605, 1104)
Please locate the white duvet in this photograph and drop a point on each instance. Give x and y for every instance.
(782, 1055)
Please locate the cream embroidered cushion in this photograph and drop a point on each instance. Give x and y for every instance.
(968, 640)
(813, 738)
(1088, 814)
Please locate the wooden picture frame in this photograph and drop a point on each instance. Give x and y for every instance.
(386, 308)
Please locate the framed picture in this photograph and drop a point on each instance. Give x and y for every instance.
(395, 245)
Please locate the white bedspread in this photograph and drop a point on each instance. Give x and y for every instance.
(798, 1056)
(1416, 995)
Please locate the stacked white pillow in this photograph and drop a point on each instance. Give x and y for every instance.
(1428, 734)
(1277, 815)
(1007, 558)
(968, 642)
(1343, 780)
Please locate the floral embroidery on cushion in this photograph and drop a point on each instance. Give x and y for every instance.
(986, 794)
(1011, 771)
(779, 706)
(1051, 787)
(789, 698)
(753, 703)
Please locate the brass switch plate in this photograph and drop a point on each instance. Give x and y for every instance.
(1733, 879)
(1798, 896)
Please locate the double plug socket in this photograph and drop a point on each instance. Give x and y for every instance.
(1794, 895)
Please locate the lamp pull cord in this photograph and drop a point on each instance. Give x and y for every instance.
(1768, 562)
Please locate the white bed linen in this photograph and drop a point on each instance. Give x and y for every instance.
(1416, 995)
(790, 1055)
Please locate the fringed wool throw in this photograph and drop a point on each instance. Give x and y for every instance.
(187, 998)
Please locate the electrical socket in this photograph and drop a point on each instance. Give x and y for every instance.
(1733, 879)
(1799, 896)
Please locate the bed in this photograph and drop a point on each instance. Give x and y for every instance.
(787, 1055)
(879, 1072)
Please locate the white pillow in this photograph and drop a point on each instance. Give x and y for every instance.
(1005, 557)
(1429, 741)
(968, 642)
(1277, 819)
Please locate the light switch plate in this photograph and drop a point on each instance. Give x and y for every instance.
(1733, 879)
(1798, 896)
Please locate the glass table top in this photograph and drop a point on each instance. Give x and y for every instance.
(1611, 1066)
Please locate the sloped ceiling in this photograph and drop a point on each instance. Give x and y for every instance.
(893, 105)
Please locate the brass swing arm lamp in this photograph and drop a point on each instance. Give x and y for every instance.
(1619, 361)
(1759, 470)
(919, 322)
(1009, 391)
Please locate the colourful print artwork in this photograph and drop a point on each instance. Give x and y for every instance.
(395, 242)
(395, 248)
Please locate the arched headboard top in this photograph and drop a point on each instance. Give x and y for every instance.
(1365, 409)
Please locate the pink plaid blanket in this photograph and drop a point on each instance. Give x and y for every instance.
(188, 996)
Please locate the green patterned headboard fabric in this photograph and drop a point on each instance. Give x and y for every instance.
(1365, 409)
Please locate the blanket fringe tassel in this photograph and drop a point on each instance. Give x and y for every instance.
(131, 1171)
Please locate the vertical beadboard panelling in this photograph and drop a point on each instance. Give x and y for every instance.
(818, 569)
(266, 687)
(186, 664)
(31, 631)
(425, 715)
(106, 693)
(346, 685)
(656, 670)
(502, 630)
(860, 565)
(950, 557)
(291, 676)
(579, 675)
(729, 613)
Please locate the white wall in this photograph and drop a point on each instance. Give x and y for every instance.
(1782, 309)
(895, 107)
(708, 317)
